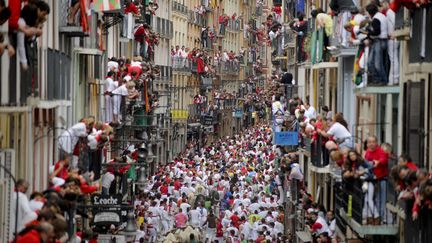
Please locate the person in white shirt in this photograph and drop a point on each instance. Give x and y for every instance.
(310, 111)
(320, 225)
(278, 114)
(185, 206)
(113, 65)
(118, 94)
(339, 132)
(331, 223)
(25, 214)
(195, 218)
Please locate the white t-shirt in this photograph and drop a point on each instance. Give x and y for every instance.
(338, 131)
(112, 66)
(310, 113)
(107, 179)
(122, 90)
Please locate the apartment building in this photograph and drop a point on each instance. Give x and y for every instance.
(398, 114)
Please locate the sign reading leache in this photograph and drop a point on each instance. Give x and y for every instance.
(106, 200)
(286, 138)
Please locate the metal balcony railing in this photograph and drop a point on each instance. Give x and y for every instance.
(181, 64)
(206, 82)
(234, 25)
(197, 18)
(69, 30)
(228, 67)
(180, 8)
(318, 153)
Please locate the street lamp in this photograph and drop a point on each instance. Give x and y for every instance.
(130, 230)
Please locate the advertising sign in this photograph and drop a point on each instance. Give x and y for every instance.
(103, 213)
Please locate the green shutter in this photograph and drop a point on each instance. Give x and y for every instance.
(313, 47)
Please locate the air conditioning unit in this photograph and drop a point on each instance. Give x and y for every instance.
(7, 159)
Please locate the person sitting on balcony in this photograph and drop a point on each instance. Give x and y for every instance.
(324, 21)
(339, 132)
(377, 33)
(379, 159)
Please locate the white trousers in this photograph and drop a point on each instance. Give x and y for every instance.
(369, 208)
(393, 52)
(108, 108)
(117, 106)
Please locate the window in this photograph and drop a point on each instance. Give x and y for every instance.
(413, 121)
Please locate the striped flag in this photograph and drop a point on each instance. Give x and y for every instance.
(106, 5)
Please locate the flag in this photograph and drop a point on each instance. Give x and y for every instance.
(106, 5)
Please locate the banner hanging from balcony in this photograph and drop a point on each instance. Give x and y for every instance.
(286, 138)
(106, 5)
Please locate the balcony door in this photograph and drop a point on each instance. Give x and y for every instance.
(413, 121)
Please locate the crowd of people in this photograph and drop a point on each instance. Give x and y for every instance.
(205, 64)
(129, 82)
(232, 190)
(46, 216)
(364, 165)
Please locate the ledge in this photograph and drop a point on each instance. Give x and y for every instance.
(73, 31)
(323, 65)
(369, 229)
(319, 170)
(344, 52)
(378, 90)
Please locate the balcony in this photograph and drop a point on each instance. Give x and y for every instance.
(228, 68)
(208, 44)
(402, 24)
(234, 25)
(181, 64)
(197, 19)
(349, 200)
(127, 27)
(341, 37)
(180, 8)
(206, 82)
(70, 30)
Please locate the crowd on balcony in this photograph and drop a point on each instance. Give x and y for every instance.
(43, 217)
(363, 165)
(25, 26)
(229, 191)
(147, 39)
(372, 30)
(225, 21)
(200, 61)
(128, 82)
